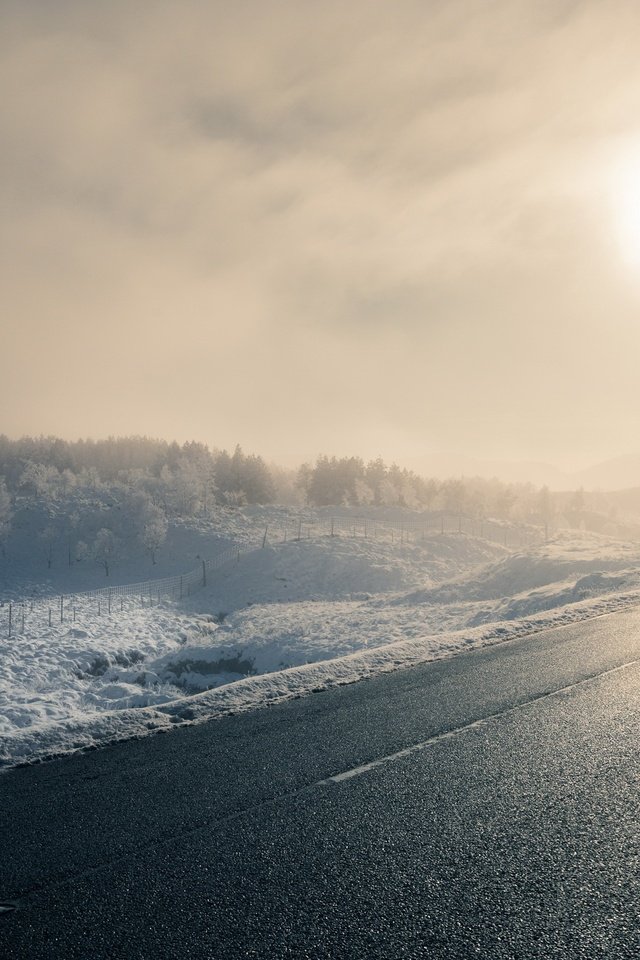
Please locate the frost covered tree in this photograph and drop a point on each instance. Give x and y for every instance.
(182, 488)
(245, 476)
(546, 509)
(40, 480)
(208, 489)
(375, 475)
(364, 493)
(153, 528)
(387, 493)
(333, 481)
(71, 522)
(428, 491)
(303, 481)
(106, 549)
(256, 483)
(234, 499)
(454, 495)
(5, 514)
(504, 500)
(48, 537)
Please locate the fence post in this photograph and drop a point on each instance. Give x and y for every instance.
(49, 616)
(10, 616)
(109, 601)
(23, 617)
(62, 608)
(332, 534)
(264, 539)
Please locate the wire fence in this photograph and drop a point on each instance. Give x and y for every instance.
(513, 536)
(71, 607)
(78, 606)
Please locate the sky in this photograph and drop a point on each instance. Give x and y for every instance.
(407, 228)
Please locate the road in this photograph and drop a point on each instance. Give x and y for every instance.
(508, 826)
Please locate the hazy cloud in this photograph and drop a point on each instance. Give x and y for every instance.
(379, 227)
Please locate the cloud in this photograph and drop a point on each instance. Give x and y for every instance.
(227, 218)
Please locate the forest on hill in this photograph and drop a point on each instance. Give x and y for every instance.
(99, 499)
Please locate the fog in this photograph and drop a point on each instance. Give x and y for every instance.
(409, 229)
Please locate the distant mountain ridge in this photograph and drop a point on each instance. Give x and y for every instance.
(620, 473)
(617, 473)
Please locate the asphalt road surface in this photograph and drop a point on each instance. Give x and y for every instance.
(486, 806)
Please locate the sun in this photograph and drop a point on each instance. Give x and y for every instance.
(626, 203)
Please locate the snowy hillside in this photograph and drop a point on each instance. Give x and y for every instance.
(287, 618)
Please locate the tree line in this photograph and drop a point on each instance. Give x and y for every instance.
(187, 478)
(349, 481)
(105, 499)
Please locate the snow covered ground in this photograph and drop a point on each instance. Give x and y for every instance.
(287, 619)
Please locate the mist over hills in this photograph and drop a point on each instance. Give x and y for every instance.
(617, 473)
(114, 454)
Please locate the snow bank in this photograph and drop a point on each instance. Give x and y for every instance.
(288, 620)
(45, 741)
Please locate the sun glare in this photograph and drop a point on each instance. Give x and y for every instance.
(626, 200)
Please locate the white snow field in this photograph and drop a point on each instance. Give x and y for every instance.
(287, 619)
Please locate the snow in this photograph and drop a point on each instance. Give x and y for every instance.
(288, 619)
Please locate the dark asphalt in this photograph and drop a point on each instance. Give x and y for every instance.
(514, 838)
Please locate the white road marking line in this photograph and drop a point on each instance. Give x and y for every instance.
(458, 731)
